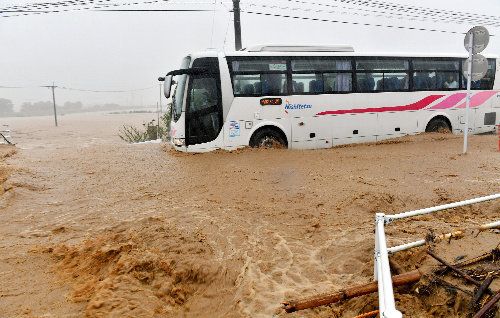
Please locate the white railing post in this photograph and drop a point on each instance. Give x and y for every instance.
(391, 218)
(382, 271)
(387, 305)
(375, 253)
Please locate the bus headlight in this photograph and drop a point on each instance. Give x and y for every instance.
(179, 142)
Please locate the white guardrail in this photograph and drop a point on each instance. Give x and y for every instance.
(5, 137)
(382, 271)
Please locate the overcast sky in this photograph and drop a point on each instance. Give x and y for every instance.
(124, 51)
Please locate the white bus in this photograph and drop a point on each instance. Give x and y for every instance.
(318, 97)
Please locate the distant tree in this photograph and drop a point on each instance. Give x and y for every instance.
(36, 109)
(6, 107)
(72, 107)
(110, 106)
(105, 107)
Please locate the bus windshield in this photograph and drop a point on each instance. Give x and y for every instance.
(178, 95)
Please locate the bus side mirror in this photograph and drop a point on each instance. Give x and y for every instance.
(167, 84)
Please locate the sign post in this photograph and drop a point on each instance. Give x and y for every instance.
(467, 102)
(475, 42)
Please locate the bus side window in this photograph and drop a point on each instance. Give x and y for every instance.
(435, 74)
(487, 81)
(382, 74)
(273, 84)
(321, 75)
(247, 84)
(259, 76)
(366, 82)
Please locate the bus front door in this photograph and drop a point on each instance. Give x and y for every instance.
(204, 109)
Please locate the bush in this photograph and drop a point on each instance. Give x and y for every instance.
(151, 130)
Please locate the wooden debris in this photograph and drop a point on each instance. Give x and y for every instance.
(348, 293)
(455, 269)
(482, 289)
(441, 281)
(488, 305)
(370, 314)
(395, 267)
(479, 258)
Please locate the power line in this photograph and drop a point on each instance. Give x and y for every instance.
(424, 10)
(154, 10)
(14, 87)
(72, 5)
(106, 91)
(375, 13)
(81, 5)
(352, 23)
(407, 11)
(81, 90)
(99, 3)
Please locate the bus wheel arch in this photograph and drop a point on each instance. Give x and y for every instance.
(439, 123)
(268, 136)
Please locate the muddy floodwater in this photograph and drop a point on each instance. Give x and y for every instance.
(93, 227)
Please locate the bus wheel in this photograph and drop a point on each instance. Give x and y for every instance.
(438, 124)
(268, 138)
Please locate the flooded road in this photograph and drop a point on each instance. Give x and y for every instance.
(94, 227)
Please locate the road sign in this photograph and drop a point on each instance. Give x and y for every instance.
(475, 67)
(481, 38)
(479, 67)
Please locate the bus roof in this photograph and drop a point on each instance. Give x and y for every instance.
(299, 52)
(300, 48)
(354, 54)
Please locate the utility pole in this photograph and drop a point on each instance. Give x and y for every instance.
(161, 89)
(237, 25)
(157, 123)
(53, 87)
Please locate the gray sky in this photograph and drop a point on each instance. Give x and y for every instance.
(123, 51)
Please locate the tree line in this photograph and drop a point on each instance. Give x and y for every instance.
(42, 108)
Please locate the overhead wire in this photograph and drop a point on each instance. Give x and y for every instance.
(350, 22)
(403, 12)
(106, 91)
(446, 16)
(82, 90)
(14, 87)
(48, 5)
(98, 5)
(424, 10)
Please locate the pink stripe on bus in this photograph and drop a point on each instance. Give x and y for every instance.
(450, 101)
(479, 99)
(414, 106)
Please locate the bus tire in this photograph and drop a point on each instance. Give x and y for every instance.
(268, 138)
(438, 124)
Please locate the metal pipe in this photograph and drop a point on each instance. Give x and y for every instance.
(407, 246)
(404, 247)
(387, 304)
(391, 218)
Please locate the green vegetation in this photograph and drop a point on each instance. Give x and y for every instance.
(150, 131)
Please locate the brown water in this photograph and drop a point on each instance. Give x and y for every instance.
(94, 227)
